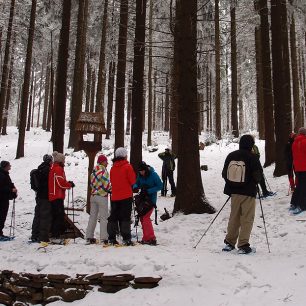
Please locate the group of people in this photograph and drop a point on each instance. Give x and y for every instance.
(50, 184)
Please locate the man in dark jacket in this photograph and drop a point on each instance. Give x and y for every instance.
(168, 168)
(243, 196)
(43, 214)
(8, 192)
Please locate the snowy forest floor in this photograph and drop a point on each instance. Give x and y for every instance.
(202, 276)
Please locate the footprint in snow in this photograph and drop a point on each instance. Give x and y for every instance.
(125, 267)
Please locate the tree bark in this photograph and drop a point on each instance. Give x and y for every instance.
(61, 80)
(218, 77)
(26, 83)
(78, 74)
(110, 96)
(282, 100)
(234, 116)
(120, 81)
(129, 106)
(40, 94)
(46, 97)
(138, 83)
(5, 67)
(31, 101)
(88, 85)
(190, 197)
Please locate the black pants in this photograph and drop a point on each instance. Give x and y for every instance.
(4, 206)
(299, 195)
(120, 213)
(58, 218)
(168, 174)
(42, 220)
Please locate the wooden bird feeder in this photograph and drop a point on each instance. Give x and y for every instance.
(90, 127)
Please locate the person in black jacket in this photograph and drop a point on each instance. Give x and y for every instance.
(42, 216)
(8, 192)
(243, 196)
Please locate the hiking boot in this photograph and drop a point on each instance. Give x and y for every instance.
(297, 211)
(245, 249)
(149, 242)
(292, 207)
(113, 242)
(104, 241)
(34, 240)
(128, 243)
(91, 241)
(267, 194)
(228, 247)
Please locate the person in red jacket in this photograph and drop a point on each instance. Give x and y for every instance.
(122, 177)
(58, 184)
(298, 200)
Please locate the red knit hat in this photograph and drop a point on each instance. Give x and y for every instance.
(102, 158)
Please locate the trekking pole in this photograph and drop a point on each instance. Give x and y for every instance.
(12, 227)
(264, 221)
(135, 220)
(72, 202)
(267, 182)
(212, 222)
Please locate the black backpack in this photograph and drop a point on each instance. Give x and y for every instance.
(35, 179)
(143, 205)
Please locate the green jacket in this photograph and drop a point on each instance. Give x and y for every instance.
(168, 160)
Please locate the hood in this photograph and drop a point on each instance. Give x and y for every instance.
(120, 163)
(246, 142)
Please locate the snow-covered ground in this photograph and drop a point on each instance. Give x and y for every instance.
(201, 276)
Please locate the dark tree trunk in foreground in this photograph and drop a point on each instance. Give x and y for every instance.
(110, 96)
(61, 80)
(5, 68)
(267, 83)
(234, 116)
(137, 90)
(190, 196)
(26, 84)
(281, 90)
(120, 81)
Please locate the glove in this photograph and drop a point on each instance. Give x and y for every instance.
(72, 184)
(135, 190)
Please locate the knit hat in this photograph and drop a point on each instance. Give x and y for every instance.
(246, 142)
(142, 166)
(58, 157)
(121, 152)
(4, 164)
(47, 158)
(101, 158)
(302, 130)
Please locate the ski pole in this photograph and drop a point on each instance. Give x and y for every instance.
(12, 227)
(72, 202)
(211, 223)
(264, 221)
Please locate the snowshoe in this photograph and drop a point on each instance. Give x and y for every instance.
(6, 238)
(246, 250)
(228, 248)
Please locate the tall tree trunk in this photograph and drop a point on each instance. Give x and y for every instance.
(50, 118)
(61, 79)
(154, 101)
(88, 85)
(259, 85)
(78, 74)
(110, 96)
(129, 106)
(101, 72)
(217, 67)
(234, 116)
(167, 104)
(228, 101)
(31, 102)
(282, 102)
(93, 91)
(150, 76)
(297, 114)
(40, 93)
(46, 97)
(137, 90)
(5, 67)
(120, 80)
(190, 196)
(26, 83)
(9, 88)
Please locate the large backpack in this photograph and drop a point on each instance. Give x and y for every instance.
(143, 205)
(35, 179)
(237, 174)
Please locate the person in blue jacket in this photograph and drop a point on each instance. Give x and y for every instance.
(149, 182)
